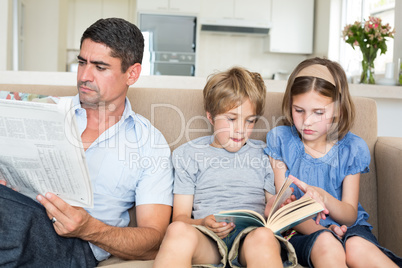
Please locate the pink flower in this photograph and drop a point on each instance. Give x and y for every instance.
(368, 34)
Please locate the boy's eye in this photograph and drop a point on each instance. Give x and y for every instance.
(231, 119)
(251, 121)
(81, 62)
(100, 68)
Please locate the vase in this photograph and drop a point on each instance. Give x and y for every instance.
(367, 76)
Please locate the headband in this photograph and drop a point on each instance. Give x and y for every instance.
(319, 71)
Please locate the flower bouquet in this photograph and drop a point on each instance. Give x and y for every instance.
(370, 36)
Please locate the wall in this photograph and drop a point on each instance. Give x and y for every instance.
(6, 34)
(45, 49)
(398, 27)
(44, 35)
(221, 51)
(389, 112)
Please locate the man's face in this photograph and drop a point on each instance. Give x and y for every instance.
(100, 80)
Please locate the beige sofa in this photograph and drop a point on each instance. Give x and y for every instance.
(179, 115)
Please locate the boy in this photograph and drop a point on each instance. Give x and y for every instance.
(223, 172)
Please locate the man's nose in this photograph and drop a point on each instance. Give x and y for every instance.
(86, 73)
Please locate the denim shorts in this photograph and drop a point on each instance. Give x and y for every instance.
(229, 247)
(304, 243)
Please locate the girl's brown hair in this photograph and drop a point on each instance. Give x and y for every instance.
(339, 93)
(227, 90)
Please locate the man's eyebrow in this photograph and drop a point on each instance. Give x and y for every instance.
(93, 62)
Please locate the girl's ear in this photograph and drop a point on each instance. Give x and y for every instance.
(209, 116)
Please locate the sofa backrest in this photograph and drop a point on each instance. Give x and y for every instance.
(180, 116)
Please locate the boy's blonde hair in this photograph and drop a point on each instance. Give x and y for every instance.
(338, 92)
(227, 90)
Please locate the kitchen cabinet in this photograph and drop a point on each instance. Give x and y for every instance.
(236, 9)
(169, 6)
(83, 13)
(292, 27)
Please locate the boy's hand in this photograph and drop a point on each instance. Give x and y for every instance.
(338, 230)
(313, 192)
(221, 229)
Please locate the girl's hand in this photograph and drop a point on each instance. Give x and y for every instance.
(313, 192)
(221, 229)
(338, 230)
(270, 202)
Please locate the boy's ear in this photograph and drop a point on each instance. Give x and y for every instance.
(209, 116)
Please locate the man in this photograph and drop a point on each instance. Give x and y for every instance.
(55, 234)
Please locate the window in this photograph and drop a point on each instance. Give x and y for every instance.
(359, 10)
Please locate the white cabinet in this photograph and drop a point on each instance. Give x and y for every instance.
(83, 13)
(252, 9)
(236, 9)
(292, 27)
(216, 9)
(169, 6)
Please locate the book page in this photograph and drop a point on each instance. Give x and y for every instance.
(293, 207)
(290, 216)
(284, 193)
(41, 151)
(242, 212)
(241, 220)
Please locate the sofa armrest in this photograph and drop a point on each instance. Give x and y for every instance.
(388, 160)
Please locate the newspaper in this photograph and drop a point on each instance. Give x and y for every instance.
(41, 151)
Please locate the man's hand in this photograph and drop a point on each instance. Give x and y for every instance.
(313, 192)
(221, 229)
(70, 221)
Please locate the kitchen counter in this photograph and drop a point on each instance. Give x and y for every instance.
(68, 78)
(388, 98)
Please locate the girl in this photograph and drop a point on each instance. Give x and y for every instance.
(318, 149)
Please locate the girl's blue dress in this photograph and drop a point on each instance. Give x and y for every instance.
(348, 156)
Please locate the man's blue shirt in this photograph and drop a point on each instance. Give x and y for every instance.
(128, 163)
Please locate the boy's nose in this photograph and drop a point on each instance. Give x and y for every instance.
(239, 128)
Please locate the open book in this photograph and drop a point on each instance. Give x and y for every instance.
(41, 151)
(279, 219)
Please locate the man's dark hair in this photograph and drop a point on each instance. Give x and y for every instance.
(122, 37)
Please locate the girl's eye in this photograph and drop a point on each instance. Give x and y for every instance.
(319, 112)
(251, 121)
(298, 110)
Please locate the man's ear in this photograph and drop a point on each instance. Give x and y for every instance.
(210, 118)
(133, 73)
